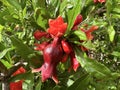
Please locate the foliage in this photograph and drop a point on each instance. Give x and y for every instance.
(100, 65)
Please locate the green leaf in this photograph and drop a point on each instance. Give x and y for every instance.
(115, 53)
(22, 49)
(116, 10)
(0, 37)
(72, 14)
(5, 3)
(6, 64)
(56, 87)
(2, 47)
(81, 83)
(38, 3)
(109, 4)
(88, 45)
(116, 16)
(81, 35)
(1, 28)
(3, 53)
(91, 66)
(23, 3)
(111, 33)
(14, 3)
(38, 86)
(41, 21)
(63, 6)
(24, 76)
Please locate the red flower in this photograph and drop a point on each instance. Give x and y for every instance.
(101, 1)
(88, 35)
(57, 27)
(89, 31)
(17, 85)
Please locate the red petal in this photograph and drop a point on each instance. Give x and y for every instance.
(55, 79)
(83, 48)
(66, 47)
(59, 20)
(19, 71)
(16, 85)
(82, 29)
(41, 46)
(63, 27)
(36, 70)
(88, 32)
(75, 64)
(52, 31)
(89, 36)
(78, 20)
(64, 59)
(57, 27)
(75, 28)
(102, 1)
(95, 1)
(93, 28)
(38, 34)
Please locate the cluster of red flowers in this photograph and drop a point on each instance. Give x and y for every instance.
(57, 49)
(17, 85)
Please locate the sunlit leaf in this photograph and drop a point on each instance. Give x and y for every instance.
(14, 3)
(63, 6)
(115, 53)
(3, 53)
(6, 63)
(81, 35)
(1, 28)
(41, 21)
(111, 33)
(89, 45)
